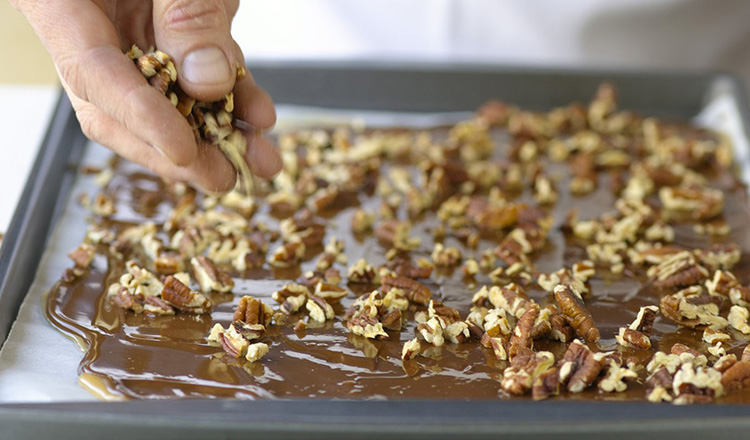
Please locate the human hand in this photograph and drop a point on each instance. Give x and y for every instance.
(119, 109)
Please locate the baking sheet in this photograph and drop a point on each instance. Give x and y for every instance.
(406, 87)
(24, 378)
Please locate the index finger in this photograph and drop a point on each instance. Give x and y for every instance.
(87, 53)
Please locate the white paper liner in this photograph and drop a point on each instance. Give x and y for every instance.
(39, 364)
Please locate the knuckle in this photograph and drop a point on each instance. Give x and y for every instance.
(191, 15)
(88, 125)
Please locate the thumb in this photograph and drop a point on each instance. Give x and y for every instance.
(196, 34)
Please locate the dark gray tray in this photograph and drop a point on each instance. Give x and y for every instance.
(416, 87)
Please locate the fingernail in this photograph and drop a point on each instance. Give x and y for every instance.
(207, 65)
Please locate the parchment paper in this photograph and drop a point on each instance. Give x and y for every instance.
(39, 364)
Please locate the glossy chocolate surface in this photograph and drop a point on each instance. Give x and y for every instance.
(140, 356)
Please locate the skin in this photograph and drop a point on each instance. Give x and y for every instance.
(115, 104)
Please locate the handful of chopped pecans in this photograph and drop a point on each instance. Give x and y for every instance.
(210, 121)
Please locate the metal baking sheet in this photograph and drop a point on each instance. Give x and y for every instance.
(420, 88)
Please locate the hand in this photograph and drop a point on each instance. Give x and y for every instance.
(118, 108)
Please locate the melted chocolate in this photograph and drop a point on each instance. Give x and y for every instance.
(153, 357)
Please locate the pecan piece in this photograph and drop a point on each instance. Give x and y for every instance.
(578, 367)
(690, 308)
(330, 292)
(291, 297)
(701, 203)
(414, 290)
(256, 351)
(522, 333)
(363, 273)
(320, 310)
(183, 298)
(124, 299)
(287, 255)
(157, 306)
(696, 381)
(637, 334)
(367, 326)
(720, 256)
(737, 376)
(252, 311)
(519, 377)
(83, 255)
(411, 349)
(546, 384)
(722, 283)
(403, 268)
(572, 307)
(209, 276)
(738, 317)
(679, 270)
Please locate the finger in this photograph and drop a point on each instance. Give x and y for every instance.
(211, 172)
(262, 157)
(252, 104)
(231, 7)
(88, 58)
(196, 34)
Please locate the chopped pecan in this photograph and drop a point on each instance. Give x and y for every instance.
(737, 376)
(740, 296)
(546, 384)
(719, 256)
(525, 367)
(233, 343)
(209, 276)
(497, 344)
(320, 310)
(690, 308)
(521, 336)
(392, 320)
(330, 292)
(181, 297)
(411, 349)
(431, 331)
(633, 338)
(362, 221)
(414, 290)
(291, 297)
(724, 362)
(560, 328)
(616, 377)
(287, 255)
(579, 368)
(363, 273)
(124, 299)
(446, 256)
(404, 268)
(679, 270)
(700, 203)
(140, 281)
(252, 311)
(738, 317)
(397, 234)
(256, 351)
(572, 307)
(697, 381)
(157, 306)
(367, 326)
(722, 283)
(510, 298)
(83, 255)
(446, 315)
